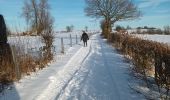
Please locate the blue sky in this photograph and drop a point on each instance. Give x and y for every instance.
(156, 13)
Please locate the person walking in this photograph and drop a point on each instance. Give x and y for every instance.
(85, 37)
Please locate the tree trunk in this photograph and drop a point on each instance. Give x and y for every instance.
(108, 28)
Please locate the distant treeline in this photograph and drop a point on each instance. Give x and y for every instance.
(146, 30)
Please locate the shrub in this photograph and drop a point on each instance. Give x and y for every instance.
(146, 55)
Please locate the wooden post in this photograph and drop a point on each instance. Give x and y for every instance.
(62, 46)
(70, 41)
(76, 40)
(17, 69)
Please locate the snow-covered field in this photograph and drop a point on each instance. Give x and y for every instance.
(153, 37)
(66, 40)
(26, 45)
(34, 43)
(156, 37)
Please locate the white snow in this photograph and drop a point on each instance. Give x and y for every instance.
(103, 76)
(34, 43)
(96, 72)
(155, 37)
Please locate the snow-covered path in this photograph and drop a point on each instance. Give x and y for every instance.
(96, 72)
(102, 76)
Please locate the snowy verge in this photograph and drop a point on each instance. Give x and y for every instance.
(150, 93)
(60, 70)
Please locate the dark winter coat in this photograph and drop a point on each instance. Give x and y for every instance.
(3, 33)
(84, 37)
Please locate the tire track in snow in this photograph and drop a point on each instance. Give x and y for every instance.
(98, 78)
(78, 80)
(64, 87)
(82, 86)
(73, 92)
(71, 87)
(62, 78)
(108, 70)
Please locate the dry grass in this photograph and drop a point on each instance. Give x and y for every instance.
(15, 62)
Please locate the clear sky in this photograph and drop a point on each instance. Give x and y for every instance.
(156, 13)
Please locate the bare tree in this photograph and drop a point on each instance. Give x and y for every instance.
(167, 30)
(30, 13)
(35, 11)
(86, 28)
(37, 15)
(111, 11)
(26, 10)
(103, 26)
(45, 20)
(72, 27)
(69, 28)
